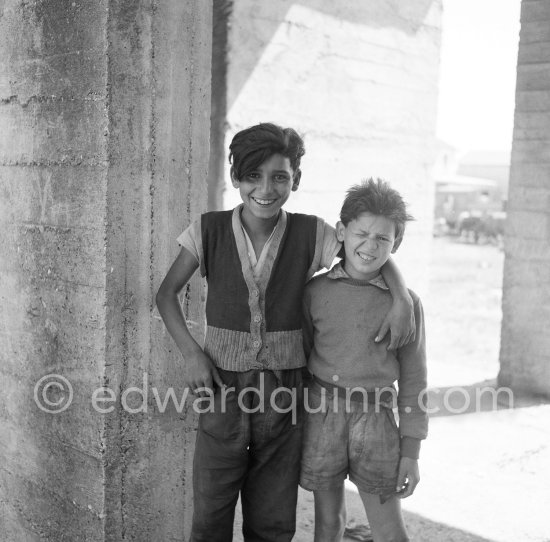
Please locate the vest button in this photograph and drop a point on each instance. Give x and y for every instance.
(256, 344)
(255, 293)
(258, 318)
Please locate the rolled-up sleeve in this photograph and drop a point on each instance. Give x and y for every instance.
(190, 239)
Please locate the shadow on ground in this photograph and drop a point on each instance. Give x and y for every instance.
(483, 396)
(420, 529)
(424, 530)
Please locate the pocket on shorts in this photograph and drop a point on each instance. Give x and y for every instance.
(391, 418)
(388, 460)
(375, 452)
(320, 432)
(390, 436)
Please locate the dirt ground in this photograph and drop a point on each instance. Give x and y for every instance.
(463, 317)
(463, 312)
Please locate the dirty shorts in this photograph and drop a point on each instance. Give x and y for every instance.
(347, 438)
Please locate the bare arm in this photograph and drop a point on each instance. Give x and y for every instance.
(200, 368)
(400, 318)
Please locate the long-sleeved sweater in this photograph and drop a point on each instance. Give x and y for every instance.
(341, 319)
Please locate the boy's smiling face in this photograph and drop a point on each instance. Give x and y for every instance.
(267, 188)
(368, 242)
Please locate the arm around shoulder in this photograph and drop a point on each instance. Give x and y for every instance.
(400, 318)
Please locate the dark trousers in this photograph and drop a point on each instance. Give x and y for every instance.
(251, 446)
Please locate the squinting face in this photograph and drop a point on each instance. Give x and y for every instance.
(368, 242)
(265, 190)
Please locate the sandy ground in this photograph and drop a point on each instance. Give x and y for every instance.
(463, 312)
(484, 472)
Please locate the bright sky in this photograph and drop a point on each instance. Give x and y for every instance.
(478, 73)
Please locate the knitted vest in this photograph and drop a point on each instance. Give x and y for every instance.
(255, 325)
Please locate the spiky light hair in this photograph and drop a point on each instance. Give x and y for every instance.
(378, 198)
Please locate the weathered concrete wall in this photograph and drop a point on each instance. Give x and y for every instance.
(359, 79)
(104, 118)
(525, 347)
(53, 156)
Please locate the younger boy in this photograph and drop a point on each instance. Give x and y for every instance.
(256, 259)
(350, 428)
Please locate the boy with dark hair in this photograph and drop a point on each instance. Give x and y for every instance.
(350, 427)
(256, 259)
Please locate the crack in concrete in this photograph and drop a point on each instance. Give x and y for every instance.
(36, 98)
(66, 162)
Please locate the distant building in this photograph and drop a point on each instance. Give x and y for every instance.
(475, 183)
(492, 165)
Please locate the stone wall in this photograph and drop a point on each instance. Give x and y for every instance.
(359, 80)
(525, 347)
(104, 118)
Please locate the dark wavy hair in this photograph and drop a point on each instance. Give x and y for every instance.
(253, 146)
(378, 198)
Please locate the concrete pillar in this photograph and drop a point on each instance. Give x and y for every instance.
(218, 152)
(525, 348)
(104, 121)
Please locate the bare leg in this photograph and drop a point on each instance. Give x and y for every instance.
(385, 520)
(330, 514)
